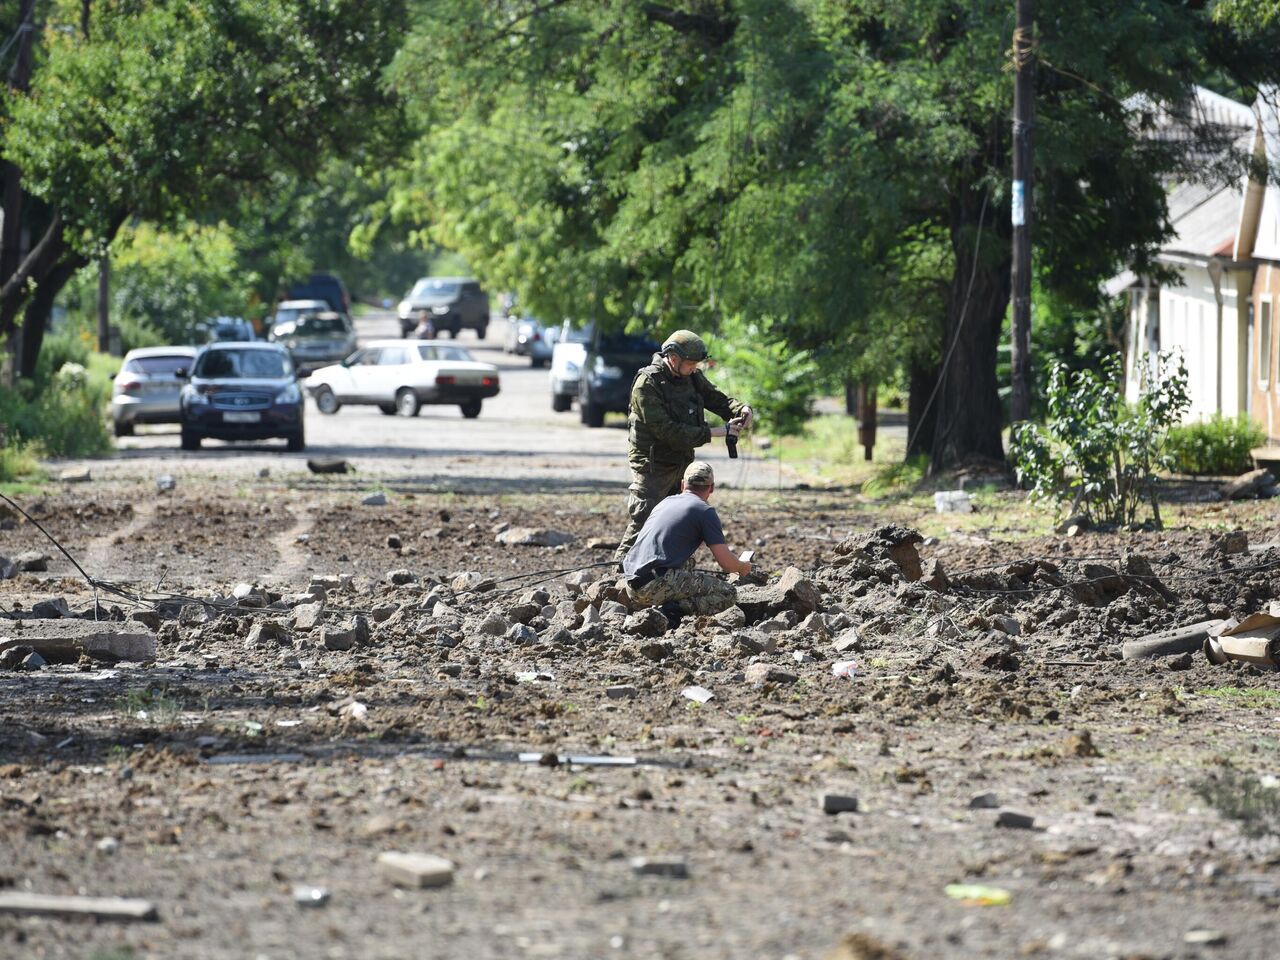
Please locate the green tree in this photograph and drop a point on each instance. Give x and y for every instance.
(166, 110)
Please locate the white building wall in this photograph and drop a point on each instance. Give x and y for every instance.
(1206, 339)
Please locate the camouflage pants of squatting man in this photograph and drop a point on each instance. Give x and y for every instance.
(698, 594)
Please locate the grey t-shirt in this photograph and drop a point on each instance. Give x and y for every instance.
(676, 528)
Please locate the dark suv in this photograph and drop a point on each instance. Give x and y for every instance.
(451, 303)
(326, 287)
(610, 366)
(241, 391)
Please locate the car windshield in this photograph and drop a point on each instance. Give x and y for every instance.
(576, 335)
(434, 288)
(289, 314)
(433, 352)
(156, 366)
(319, 326)
(243, 364)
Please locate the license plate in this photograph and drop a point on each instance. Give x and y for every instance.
(241, 417)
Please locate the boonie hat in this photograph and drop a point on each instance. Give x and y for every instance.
(699, 474)
(686, 344)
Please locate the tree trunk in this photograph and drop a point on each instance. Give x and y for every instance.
(11, 193)
(36, 317)
(970, 417)
(922, 416)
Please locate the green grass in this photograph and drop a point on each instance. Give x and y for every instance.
(1253, 698)
(150, 705)
(20, 470)
(828, 450)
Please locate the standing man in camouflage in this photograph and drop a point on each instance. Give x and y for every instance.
(668, 398)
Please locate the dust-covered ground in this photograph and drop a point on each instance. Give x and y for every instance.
(376, 680)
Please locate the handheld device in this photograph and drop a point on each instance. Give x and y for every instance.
(747, 556)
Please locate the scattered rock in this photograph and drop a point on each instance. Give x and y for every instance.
(375, 500)
(402, 576)
(833, 803)
(1010, 820)
(671, 868)
(768, 673)
(148, 618)
(984, 801)
(649, 622)
(307, 615)
(656, 651)
(1205, 938)
(8, 569)
(602, 543)
(1080, 744)
(394, 542)
(75, 475)
(32, 561)
(32, 661)
(471, 582)
(51, 609)
(848, 641)
(328, 465)
(620, 691)
(64, 641)
(268, 632)
(733, 617)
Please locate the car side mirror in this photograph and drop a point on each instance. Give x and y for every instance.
(182, 373)
(304, 372)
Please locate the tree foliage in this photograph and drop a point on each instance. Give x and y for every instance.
(833, 171)
(179, 110)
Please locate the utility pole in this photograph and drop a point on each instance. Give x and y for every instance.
(1023, 118)
(104, 303)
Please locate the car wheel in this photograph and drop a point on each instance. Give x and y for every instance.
(388, 408)
(294, 442)
(481, 331)
(326, 402)
(592, 413)
(124, 429)
(407, 404)
(190, 441)
(538, 363)
(561, 402)
(470, 409)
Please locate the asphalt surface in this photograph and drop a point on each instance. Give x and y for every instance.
(517, 444)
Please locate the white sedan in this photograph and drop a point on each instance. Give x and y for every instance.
(399, 376)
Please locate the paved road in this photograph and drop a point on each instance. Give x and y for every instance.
(517, 443)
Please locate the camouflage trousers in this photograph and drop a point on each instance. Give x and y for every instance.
(699, 594)
(647, 490)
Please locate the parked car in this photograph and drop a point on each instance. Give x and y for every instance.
(326, 287)
(527, 337)
(455, 303)
(567, 356)
(288, 312)
(226, 329)
(147, 387)
(608, 369)
(316, 338)
(242, 391)
(399, 376)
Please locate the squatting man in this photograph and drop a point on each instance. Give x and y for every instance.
(659, 569)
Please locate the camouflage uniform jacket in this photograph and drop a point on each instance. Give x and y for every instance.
(666, 415)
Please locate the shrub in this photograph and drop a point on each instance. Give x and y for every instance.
(1094, 451)
(1218, 445)
(61, 415)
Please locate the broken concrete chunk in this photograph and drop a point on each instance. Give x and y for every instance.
(1246, 485)
(952, 501)
(620, 691)
(375, 500)
(63, 641)
(418, 870)
(1006, 624)
(732, 617)
(148, 618)
(75, 475)
(847, 641)
(307, 615)
(493, 625)
(268, 633)
(534, 537)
